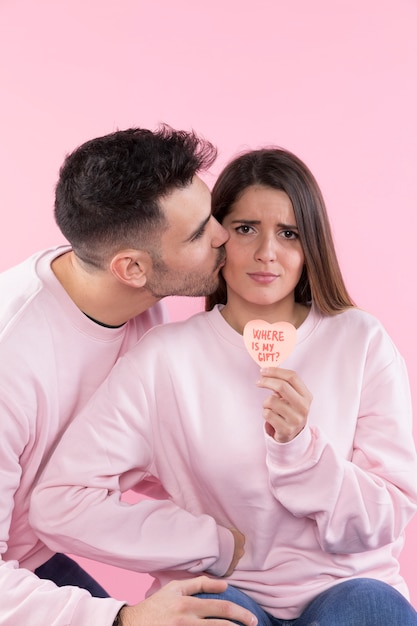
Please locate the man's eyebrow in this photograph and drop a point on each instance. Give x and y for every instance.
(199, 228)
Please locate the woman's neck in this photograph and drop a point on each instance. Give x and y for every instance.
(237, 316)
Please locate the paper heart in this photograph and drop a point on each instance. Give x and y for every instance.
(269, 344)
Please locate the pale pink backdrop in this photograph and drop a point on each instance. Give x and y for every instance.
(332, 80)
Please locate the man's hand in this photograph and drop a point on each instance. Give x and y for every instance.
(239, 550)
(173, 605)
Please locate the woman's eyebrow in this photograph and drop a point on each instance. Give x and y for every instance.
(250, 222)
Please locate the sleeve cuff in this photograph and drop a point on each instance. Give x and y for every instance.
(289, 453)
(226, 551)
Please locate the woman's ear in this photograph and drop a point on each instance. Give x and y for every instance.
(131, 267)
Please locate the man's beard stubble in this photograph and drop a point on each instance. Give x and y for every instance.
(166, 282)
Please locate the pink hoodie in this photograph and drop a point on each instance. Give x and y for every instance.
(183, 407)
(52, 359)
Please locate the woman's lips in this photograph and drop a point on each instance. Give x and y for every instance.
(265, 278)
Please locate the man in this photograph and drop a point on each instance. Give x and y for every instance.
(138, 220)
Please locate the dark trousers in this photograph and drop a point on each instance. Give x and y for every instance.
(65, 571)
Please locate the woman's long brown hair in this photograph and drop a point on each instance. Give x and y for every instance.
(321, 281)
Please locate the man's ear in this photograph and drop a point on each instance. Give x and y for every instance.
(131, 267)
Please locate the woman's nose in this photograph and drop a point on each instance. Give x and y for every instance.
(266, 251)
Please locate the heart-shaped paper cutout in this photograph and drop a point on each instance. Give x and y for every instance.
(269, 344)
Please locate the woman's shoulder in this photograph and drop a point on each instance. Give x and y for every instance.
(359, 327)
(354, 317)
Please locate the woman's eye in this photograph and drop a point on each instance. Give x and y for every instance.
(244, 229)
(289, 234)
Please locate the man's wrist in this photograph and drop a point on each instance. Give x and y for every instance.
(118, 618)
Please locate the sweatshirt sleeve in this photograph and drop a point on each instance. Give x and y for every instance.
(25, 598)
(108, 449)
(363, 502)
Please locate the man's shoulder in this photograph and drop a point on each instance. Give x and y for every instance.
(22, 284)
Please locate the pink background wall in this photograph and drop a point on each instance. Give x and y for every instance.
(332, 80)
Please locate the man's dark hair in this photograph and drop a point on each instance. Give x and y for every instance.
(108, 192)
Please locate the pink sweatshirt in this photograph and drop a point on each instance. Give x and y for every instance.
(183, 407)
(52, 359)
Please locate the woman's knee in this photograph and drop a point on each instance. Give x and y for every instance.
(361, 601)
(242, 599)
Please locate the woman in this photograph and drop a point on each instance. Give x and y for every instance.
(313, 462)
